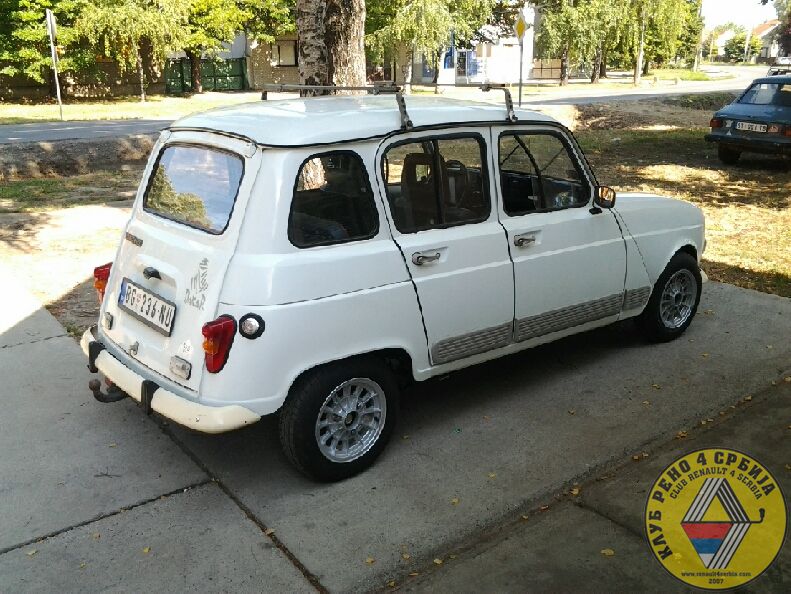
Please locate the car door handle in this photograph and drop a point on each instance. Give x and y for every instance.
(524, 240)
(420, 258)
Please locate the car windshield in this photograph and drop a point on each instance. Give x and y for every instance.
(194, 185)
(768, 94)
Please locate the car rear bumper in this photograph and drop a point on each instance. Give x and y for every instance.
(197, 416)
(757, 145)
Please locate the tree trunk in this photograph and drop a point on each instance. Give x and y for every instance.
(603, 65)
(638, 65)
(596, 71)
(344, 35)
(195, 71)
(410, 59)
(564, 67)
(142, 74)
(312, 46)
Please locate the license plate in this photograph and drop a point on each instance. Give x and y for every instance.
(750, 127)
(147, 307)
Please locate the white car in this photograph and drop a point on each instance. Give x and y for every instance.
(309, 257)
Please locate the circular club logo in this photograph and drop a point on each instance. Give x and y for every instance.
(715, 518)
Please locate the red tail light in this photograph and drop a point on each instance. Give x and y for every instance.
(100, 276)
(787, 131)
(715, 123)
(217, 341)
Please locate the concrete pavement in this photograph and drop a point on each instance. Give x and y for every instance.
(473, 450)
(559, 549)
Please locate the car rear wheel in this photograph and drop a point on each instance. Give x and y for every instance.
(728, 155)
(339, 417)
(674, 300)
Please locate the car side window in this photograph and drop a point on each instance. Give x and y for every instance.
(436, 182)
(538, 172)
(333, 201)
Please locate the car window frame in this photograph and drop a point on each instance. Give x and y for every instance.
(370, 190)
(575, 154)
(201, 145)
(485, 179)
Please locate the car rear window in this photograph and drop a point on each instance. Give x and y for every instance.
(768, 94)
(195, 185)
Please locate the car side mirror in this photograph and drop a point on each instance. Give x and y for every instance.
(604, 197)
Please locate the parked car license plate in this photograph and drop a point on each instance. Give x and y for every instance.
(750, 127)
(147, 307)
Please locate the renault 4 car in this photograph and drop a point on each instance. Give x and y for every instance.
(310, 257)
(758, 121)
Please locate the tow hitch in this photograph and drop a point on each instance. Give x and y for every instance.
(113, 394)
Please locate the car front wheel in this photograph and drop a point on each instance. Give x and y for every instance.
(727, 155)
(339, 417)
(674, 300)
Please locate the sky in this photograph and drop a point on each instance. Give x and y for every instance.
(742, 12)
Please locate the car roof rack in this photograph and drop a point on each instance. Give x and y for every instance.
(397, 90)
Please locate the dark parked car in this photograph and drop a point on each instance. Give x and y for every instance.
(758, 121)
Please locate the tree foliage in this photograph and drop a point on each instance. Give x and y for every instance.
(734, 47)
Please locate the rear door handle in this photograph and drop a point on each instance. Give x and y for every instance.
(524, 239)
(420, 258)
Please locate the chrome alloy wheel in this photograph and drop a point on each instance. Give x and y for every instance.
(678, 298)
(351, 420)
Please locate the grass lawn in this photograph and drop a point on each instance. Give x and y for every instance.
(33, 195)
(747, 206)
(121, 108)
(681, 74)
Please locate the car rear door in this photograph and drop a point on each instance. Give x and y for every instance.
(438, 189)
(569, 258)
(171, 263)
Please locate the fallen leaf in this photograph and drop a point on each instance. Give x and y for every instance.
(32, 552)
(645, 454)
(703, 422)
(437, 561)
(691, 340)
(96, 536)
(454, 501)
(486, 417)
(406, 556)
(704, 355)
(413, 573)
(788, 466)
(708, 312)
(769, 346)
(451, 556)
(787, 379)
(404, 437)
(391, 584)
(370, 560)
(146, 550)
(748, 398)
(636, 457)
(647, 402)
(113, 445)
(722, 413)
(83, 565)
(269, 531)
(607, 552)
(656, 386)
(543, 508)
(681, 435)
(492, 475)
(572, 411)
(525, 517)
(575, 491)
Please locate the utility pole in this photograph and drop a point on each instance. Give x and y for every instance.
(699, 52)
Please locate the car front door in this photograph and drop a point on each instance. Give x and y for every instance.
(569, 257)
(438, 190)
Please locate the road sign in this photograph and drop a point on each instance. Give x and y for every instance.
(520, 26)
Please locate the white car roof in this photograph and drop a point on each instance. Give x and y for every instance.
(324, 120)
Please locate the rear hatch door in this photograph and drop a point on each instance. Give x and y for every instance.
(169, 270)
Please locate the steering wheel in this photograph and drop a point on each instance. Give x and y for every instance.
(459, 171)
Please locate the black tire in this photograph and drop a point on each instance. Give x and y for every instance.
(300, 413)
(728, 155)
(650, 321)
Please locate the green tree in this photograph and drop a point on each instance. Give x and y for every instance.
(408, 28)
(735, 47)
(126, 29)
(24, 43)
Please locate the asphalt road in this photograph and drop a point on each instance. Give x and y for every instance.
(99, 496)
(575, 94)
